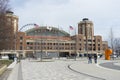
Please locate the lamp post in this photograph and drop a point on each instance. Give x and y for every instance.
(58, 47)
(17, 36)
(34, 43)
(41, 48)
(41, 44)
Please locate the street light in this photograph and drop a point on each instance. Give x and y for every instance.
(41, 48)
(31, 24)
(35, 37)
(58, 47)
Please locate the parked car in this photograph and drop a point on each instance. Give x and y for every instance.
(114, 56)
(5, 57)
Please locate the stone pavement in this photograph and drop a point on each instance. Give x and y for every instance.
(56, 70)
(63, 69)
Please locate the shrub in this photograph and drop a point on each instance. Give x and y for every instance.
(5, 62)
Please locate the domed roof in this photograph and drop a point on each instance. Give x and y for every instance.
(46, 31)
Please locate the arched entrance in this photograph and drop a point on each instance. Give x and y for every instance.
(64, 54)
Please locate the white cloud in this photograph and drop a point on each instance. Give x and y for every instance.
(103, 13)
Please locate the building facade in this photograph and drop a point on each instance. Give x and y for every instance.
(8, 29)
(51, 41)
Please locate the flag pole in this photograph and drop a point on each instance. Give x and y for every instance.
(75, 43)
(69, 30)
(69, 46)
(46, 42)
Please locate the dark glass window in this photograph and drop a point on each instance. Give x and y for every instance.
(20, 47)
(21, 38)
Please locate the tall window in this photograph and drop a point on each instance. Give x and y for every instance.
(21, 48)
(83, 29)
(21, 38)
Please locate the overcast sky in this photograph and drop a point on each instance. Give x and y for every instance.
(105, 14)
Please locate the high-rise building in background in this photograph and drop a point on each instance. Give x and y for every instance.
(85, 27)
(8, 29)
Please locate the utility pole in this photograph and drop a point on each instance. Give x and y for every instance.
(75, 44)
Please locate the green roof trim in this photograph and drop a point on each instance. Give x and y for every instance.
(46, 31)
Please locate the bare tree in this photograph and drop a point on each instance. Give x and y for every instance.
(4, 6)
(117, 46)
(111, 39)
(111, 36)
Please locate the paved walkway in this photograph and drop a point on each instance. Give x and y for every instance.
(98, 70)
(64, 69)
(14, 74)
(7, 72)
(111, 65)
(57, 70)
(5, 75)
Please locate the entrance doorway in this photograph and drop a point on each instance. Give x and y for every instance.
(64, 54)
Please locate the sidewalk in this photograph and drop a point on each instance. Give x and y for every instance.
(11, 66)
(58, 70)
(14, 74)
(96, 70)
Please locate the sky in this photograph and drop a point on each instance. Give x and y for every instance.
(105, 14)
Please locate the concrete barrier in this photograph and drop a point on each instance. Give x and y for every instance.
(3, 69)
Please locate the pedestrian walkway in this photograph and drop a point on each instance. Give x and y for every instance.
(111, 65)
(63, 69)
(11, 66)
(57, 70)
(5, 75)
(8, 71)
(14, 73)
(96, 70)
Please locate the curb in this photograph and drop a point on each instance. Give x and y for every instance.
(14, 73)
(3, 69)
(12, 65)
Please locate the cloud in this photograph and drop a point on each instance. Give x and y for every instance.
(103, 13)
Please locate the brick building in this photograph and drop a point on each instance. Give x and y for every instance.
(51, 41)
(58, 42)
(8, 28)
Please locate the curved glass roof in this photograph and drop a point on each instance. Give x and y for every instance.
(46, 31)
